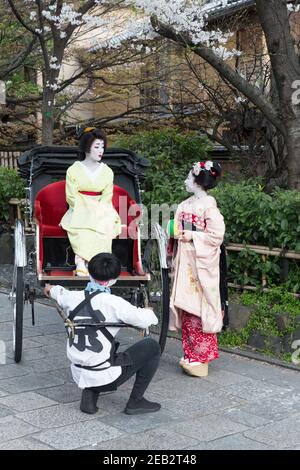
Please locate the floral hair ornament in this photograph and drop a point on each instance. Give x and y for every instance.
(202, 166)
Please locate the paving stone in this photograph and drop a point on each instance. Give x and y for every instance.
(5, 316)
(30, 355)
(138, 423)
(47, 364)
(260, 371)
(55, 350)
(207, 428)
(31, 332)
(12, 370)
(280, 434)
(12, 428)
(27, 344)
(275, 407)
(224, 377)
(197, 406)
(183, 385)
(46, 340)
(233, 442)
(154, 439)
(239, 396)
(29, 382)
(26, 401)
(79, 435)
(113, 402)
(240, 416)
(6, 335)
(56, 416)
(65, 374)
(45, 329)
(6, 326)
(4, 411)
(66, 393)
(164, 371)
(252, 390)
(24, 443)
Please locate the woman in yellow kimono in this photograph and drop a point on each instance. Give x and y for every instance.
(91, 221)
(195, 300)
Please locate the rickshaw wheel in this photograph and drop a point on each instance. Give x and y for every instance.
(157, 291)
(18, 309)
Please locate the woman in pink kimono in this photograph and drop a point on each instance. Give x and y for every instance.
(195, 300)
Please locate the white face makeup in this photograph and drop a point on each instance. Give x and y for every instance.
(190, 183)
(96, 151)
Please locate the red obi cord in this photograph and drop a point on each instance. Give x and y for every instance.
(90, 193)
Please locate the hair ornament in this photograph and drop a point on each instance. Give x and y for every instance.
(202, 166)
(89, 129)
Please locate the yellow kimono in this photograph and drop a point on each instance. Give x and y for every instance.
(91, 221)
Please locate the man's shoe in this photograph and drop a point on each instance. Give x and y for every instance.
(89, 401)
(137, 407)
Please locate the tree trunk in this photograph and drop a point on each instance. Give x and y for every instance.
(47, 117)
(293, 158)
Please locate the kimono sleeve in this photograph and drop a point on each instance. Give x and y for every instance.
(71, 189)
(107, 192)
(212, 237)
(135, 316)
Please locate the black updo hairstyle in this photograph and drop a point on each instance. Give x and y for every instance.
(207, 179)
(104, 266)
(87, 138)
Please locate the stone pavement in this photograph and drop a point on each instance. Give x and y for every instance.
(242, 404)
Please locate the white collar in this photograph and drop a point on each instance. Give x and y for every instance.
(92, 173)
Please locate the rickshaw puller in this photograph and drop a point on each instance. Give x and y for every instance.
(95, 363)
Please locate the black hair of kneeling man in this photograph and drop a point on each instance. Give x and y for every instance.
(104, 266)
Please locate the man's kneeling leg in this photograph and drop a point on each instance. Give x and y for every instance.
(146, 356)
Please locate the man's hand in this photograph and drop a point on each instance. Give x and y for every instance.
(47, 289)
(185, 235)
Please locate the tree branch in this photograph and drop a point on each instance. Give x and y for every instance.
(250, 91)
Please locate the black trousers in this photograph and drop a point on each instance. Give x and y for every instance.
(145, 357)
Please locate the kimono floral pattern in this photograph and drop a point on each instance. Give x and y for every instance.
(197, 346)
(194, 281)
(189, 217)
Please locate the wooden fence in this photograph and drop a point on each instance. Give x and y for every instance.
(264, 252)
(9, 159)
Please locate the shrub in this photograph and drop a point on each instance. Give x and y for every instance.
(255, 218)
(263, 319)
(11, 185)
(251, 215)
(171, 155)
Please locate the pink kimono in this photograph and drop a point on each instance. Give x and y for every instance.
(197, 275)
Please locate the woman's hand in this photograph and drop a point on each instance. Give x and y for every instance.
(185, 236)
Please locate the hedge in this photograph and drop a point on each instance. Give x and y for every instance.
(251, 215)
(11, 185)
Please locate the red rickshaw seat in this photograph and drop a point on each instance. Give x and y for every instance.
(50, 206)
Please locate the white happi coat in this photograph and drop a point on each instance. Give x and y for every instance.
(114, 309)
